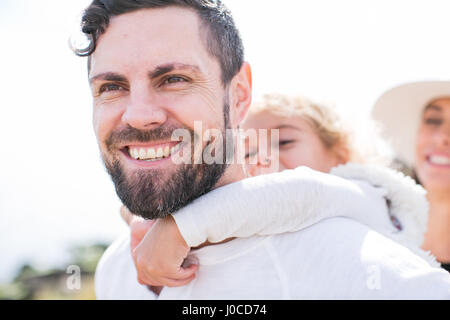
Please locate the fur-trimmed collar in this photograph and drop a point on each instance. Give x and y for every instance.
(406, 201)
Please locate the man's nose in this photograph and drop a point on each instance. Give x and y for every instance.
(143, 110)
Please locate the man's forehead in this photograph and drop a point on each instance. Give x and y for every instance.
(155, 19)
(149, 38)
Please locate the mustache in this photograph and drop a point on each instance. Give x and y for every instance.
(130, 134)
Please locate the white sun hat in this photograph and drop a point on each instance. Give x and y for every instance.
(399, 111)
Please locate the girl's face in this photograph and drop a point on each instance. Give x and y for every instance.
(433, 146)
(299, 144)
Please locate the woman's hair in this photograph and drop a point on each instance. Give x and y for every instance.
(359, 140)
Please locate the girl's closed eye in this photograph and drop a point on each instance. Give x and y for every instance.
(286, 142)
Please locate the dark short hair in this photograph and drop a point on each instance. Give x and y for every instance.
(222, 38)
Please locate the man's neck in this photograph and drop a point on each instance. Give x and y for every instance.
(234, 173)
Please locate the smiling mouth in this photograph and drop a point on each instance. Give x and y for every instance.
(151, 154)
(439, 160)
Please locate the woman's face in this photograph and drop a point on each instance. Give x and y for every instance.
(299, 144)
(433, 146)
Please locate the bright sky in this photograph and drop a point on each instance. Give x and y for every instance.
(54, 192)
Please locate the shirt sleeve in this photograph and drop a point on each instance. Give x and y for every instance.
(276, 203)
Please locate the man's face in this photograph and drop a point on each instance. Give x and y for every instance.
(151, 74)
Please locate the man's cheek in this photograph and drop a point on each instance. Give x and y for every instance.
(97, 125)
(104, 118)
(102, 130)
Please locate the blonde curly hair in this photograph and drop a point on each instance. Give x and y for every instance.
(359, 140)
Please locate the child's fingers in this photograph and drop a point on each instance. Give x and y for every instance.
(179, 278)
(177, 283)
(164, 281)
(179, 275)
(183, 273)
(149, 282)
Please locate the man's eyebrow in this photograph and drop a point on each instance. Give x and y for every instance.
(166, 68)
(108, 76)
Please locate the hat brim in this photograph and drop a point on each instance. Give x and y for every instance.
(399, 112)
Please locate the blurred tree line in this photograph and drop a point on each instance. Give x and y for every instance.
(33, 284)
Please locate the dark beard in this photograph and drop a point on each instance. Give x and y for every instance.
(144, 195)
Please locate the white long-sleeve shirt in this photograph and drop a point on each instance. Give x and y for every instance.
(328, 258)
(381, 198)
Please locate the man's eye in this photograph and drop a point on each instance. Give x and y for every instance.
(433, 121)
(174, 79)
(109, 87)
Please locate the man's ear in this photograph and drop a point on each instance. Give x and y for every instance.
(241, 95)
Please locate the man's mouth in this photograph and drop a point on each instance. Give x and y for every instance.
(153, 153)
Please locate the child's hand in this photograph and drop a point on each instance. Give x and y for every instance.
(158, 251)
(138, 226)
(160, 255)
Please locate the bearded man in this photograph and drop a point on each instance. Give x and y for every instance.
(156, 67)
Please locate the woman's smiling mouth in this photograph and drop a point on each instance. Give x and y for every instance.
(438, 160)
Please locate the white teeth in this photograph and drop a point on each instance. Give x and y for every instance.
(175, 148)
(134, 153)
(151, 154)
(166, 151)
(440, 160)
(142, 153)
